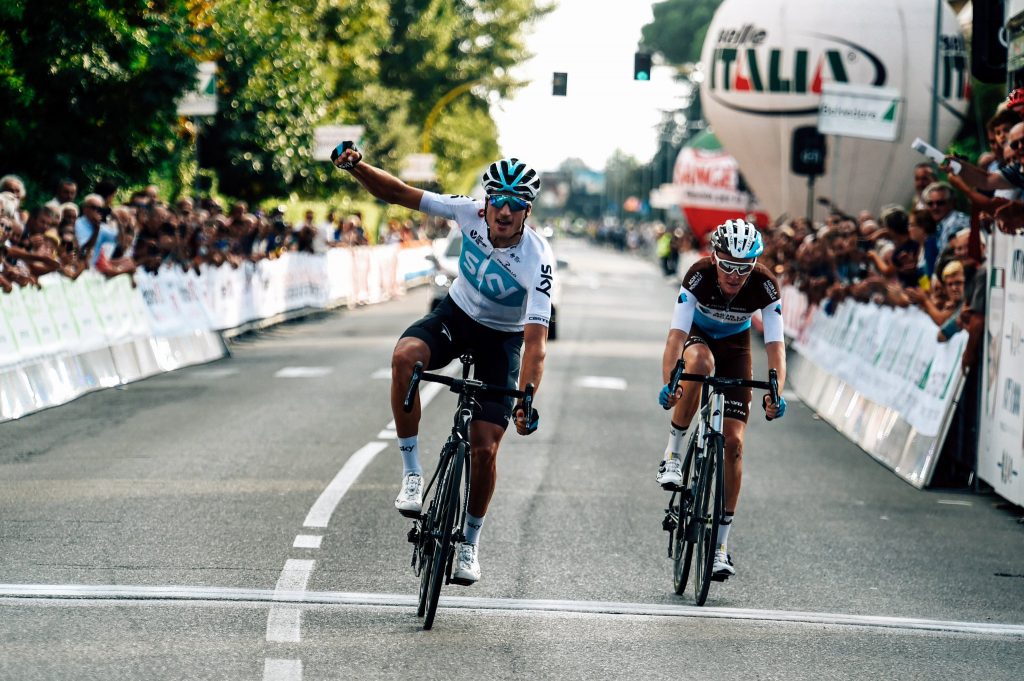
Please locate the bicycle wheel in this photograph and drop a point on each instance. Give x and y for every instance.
(425, 551)
(709, 514)
(682, 550)
(448, 514)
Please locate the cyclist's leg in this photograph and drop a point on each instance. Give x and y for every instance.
(500, 355)
(733, 355)
(699, 359)
(430, 340)
(734, 362)
(426, 342)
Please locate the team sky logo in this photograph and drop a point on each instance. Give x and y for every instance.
(744, 61)
(489, 277)
(546, 280)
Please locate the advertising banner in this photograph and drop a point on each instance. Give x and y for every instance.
(860, 111)
(880, 376)
(1001, 449)
(767, 65)
(709, 185)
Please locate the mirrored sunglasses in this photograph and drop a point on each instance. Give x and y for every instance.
(514, 203)
(730, 267)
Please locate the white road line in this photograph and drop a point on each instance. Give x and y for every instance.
(282, 670)
(323, 508)
(387, 435)
(307, 541)
(200, 595)
(601, 382)
(304, 372)
(955, 502)
(381, 373)
(295, 575)
(284, 624)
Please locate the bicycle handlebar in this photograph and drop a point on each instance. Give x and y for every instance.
(460, 385)
(771, 385)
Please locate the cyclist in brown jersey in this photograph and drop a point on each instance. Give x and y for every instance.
(711, 331)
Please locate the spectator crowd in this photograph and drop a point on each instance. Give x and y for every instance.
(70, 234)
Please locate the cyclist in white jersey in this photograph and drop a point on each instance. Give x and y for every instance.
(498, 307)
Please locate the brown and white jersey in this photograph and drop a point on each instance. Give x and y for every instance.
(702, 302)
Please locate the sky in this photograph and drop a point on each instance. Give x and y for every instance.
(605, 109)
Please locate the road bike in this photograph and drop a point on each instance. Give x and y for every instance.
(435, 532)
(696, 506)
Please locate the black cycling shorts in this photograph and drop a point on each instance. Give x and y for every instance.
(449, 333)
(732, 360)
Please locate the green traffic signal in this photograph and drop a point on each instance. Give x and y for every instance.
(642, 66)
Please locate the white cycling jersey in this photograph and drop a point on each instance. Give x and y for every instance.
(502, 288)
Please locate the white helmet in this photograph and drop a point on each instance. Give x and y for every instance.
(738, 238)
(512, 176)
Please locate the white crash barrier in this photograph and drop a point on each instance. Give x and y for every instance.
(880, 376)
(1001, 449)
(68, 338)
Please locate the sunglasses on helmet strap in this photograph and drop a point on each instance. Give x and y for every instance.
(514, 203)
(730, 267)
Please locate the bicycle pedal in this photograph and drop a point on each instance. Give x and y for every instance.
(671, 487)
(461, 582)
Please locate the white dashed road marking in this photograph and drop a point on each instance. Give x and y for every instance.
(304, 372)
(321, 512)
(307, 541)
(380, 374)
(601, 382)
(284, 624)
(282, 670)
(954, 502)
(295, 575)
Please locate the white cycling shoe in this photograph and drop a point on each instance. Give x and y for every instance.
(670, 474)
(410, 499)
(467, 567)
(722, 568)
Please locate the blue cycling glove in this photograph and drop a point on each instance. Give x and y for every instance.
(663, 396)
(781, 406)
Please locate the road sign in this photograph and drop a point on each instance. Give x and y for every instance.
(419, 168)
(202, 101)
(327, 137)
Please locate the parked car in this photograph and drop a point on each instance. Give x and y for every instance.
(446, 267)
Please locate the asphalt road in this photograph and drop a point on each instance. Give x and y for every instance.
(234, 521)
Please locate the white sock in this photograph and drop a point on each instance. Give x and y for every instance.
(472, 529)
(676, 441)
(723, 531)
(409, 446)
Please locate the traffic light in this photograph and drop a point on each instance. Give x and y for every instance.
(642, 66)
(559, 82)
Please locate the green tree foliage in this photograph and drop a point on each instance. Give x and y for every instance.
(678, 29)
(272, 94)
(89, 88)
(441, 44)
